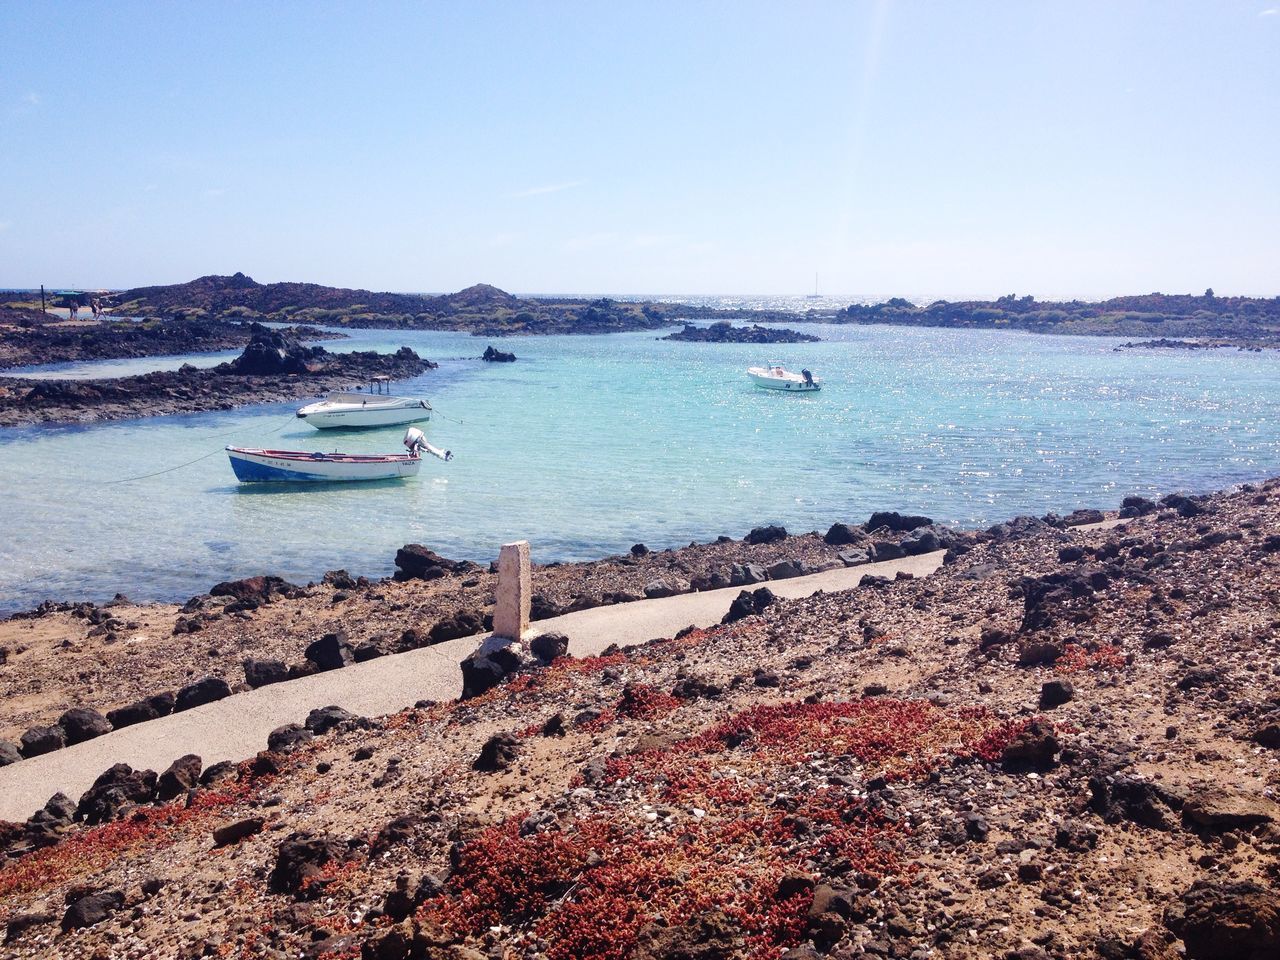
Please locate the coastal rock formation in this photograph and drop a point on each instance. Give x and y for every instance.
(482, 309)
(497, 356)
(28, 338)
(274, 353)
(724, 332)
(414, 561)
(274, 366)
(1252, 321)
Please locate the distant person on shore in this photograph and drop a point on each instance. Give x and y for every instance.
(96, 306)
(75, 308)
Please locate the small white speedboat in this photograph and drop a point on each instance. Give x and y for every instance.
(373, 409)
(252, 465)
(778, 378)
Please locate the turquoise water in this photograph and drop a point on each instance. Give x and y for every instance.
(589, 444)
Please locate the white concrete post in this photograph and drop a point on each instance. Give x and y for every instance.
(515, 589)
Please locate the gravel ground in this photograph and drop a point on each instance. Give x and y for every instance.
(1063, 744)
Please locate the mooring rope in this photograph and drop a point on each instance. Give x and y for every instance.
(436, 410)
(216, 436)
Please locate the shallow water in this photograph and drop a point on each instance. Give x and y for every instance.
(589, 444)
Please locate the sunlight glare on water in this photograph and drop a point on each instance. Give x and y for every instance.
(587, 445)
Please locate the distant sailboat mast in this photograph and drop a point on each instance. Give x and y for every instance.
(814, 295)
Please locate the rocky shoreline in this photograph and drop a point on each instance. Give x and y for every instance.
(1164, 343)
(724, 332)
(274, 367)
(27, 338)
(1061, 744)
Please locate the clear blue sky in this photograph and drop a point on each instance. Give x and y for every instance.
(921, 148)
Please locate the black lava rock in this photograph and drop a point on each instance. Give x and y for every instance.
(499, 752)
(92, 909)
(181, 776)
(1054, 693)
(899, 523)
(261, 673)
(205, 690)
(769, 534)
(40, 740)
(331, 652)
(81, 724)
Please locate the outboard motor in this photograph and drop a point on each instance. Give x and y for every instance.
(808, 377)
(415, 441)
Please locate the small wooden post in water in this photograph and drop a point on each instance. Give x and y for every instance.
(515, 588)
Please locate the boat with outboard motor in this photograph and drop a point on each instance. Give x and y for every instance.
(254, 465)
(376, 408)
(778, 378)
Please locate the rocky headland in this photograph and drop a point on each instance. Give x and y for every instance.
(1252, 321)
(725, 332)
(482, 309)
(485, 310)
(1062, 744)
(275, 366)
(27, 338)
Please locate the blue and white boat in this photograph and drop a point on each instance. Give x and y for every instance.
(253, 465)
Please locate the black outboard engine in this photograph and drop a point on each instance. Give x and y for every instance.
(808, 377)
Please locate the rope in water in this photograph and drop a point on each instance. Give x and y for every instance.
(216, 436)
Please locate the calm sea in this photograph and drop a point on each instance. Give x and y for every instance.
(587, 445)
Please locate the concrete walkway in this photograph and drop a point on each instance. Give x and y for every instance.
(237, 727)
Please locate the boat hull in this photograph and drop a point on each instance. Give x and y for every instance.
(788, 384)
(397, 411)
(292, 466)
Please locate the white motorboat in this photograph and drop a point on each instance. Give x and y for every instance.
(778, 378)
(377, 408)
